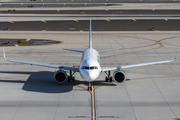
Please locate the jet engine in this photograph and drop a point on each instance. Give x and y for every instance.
(60, 76)
(119, 76)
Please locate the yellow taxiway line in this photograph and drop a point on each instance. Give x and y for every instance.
(28, 39)
(16, 45)
(108, 20)
(11, 21)
(43, 21)
(76, 20)
(93, 104)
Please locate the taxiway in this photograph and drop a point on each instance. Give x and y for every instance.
(31, 93)
(150, 92)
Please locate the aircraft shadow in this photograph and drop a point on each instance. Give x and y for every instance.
(43, 81)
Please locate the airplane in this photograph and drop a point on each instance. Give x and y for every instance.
(89, 68)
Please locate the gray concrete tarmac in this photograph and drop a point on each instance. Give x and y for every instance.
(115, 6)
(107, 12)
(97, 25)
(27, 42)
(42, 5)
(90, 1)
(150, 93)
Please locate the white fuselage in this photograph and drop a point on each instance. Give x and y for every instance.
(90, 66)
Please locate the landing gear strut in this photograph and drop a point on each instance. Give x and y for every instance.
(70, 77)
(90, 87)
(108, 78)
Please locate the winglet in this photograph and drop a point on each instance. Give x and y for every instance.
(175, 55)
(4, 54)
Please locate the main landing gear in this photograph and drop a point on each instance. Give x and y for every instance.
(71, 77)
(108, 78)
(90, 87)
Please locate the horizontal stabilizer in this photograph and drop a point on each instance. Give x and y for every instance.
(108, 50)
(73, 50)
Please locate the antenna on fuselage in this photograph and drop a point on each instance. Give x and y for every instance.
(90, 36)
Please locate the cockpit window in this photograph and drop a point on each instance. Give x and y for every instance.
(89, 68)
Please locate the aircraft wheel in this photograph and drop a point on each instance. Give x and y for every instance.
(110, 79)
(106, 79)
(73, 79)
(89, 88)
(69, 80)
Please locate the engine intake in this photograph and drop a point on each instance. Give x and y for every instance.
(119, 76)
(60, 76)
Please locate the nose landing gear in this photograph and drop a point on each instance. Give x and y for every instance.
(90, 86)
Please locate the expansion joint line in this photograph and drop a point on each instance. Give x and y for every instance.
(161, 92)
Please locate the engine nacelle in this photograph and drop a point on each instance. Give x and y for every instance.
(60, 76)
(119, 76)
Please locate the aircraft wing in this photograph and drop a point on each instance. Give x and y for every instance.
(136, 65)
(43, 64)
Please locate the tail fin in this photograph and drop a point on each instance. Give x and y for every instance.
(90, 36)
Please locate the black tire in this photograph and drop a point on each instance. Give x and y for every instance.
(110, 79)
(89, 88)
(106, 79)
(73, 79)
(69, 79)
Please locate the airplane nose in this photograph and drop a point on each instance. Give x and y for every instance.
(92, 76)
(89, 75)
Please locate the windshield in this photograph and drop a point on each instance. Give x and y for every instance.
(89, 68)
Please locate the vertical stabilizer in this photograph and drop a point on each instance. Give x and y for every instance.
(90, 36)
